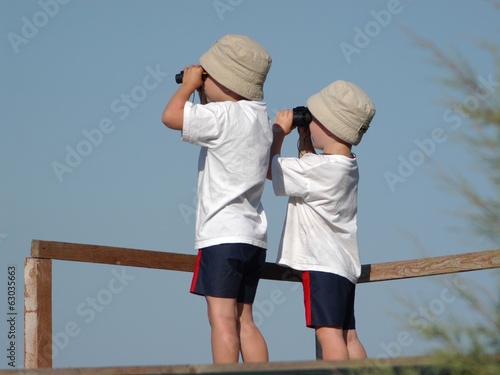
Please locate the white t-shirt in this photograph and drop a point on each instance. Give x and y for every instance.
(320, 231)
(235, 138)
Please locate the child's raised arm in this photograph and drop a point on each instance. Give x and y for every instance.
(173, 114)
(282, 126)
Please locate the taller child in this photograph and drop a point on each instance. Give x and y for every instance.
(232, 127)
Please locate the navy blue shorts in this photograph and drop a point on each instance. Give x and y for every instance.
(228, 270)
(328, 300)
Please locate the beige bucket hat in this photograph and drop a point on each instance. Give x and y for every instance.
(238, 63)
(344, 109)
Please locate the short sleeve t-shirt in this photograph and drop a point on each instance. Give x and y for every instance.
(320, 231)
(235, 138)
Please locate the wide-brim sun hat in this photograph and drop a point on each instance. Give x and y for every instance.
(239, 63)
(344, 109)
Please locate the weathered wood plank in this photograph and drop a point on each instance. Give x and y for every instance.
(37, 313)
(112, 255)
(185, 262)
(475, 261)
(298, 367)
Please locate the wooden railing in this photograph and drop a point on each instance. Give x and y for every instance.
(38, 279)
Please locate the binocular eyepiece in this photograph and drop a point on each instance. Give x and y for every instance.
(301, 116)
(179, 76)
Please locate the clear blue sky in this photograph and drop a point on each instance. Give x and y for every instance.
(85, 158)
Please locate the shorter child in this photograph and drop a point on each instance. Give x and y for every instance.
(320, 233)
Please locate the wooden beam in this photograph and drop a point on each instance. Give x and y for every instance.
(446, 264)
(418, 365)
(112, 255)
(37, 313)
(185, 262)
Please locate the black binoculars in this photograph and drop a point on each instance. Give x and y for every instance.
(301, 116)
(179, 76)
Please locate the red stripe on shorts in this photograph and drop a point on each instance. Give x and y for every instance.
(306, 283)
(195, 272)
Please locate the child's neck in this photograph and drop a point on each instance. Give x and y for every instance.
(338, 148)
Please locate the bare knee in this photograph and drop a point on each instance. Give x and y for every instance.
(354, 346)
(221, 312)
(245, 319)
(351, 335)
(333, 344)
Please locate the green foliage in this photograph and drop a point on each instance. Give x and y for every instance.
(470, 348)
(464, 347)
(477, 99)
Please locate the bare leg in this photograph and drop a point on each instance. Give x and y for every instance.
(333, 344)
(354, 346)
(225, 341)
(253, 345)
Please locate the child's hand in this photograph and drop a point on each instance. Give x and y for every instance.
(192, 77)
(283, 121)
(173, 114)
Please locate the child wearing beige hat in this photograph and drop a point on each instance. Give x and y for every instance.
(232, 127)
(319, 237)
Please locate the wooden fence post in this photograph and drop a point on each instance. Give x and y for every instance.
(37, 313)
